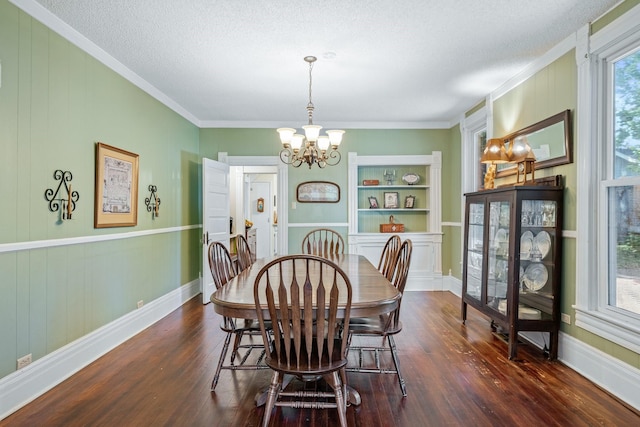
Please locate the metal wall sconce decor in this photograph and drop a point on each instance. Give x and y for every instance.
(153, 202)
(57, 200)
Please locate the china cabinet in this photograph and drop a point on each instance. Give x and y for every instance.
(512, 260)
(398, 194)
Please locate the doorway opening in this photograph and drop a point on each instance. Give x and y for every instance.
(253, 178)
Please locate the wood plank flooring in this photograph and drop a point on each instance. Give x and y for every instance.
(456, 376)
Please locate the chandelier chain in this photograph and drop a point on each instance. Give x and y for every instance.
(310, 106)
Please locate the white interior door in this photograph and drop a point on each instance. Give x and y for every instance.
(215, 216)
(262, 220)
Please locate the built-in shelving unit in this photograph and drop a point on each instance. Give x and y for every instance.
(421, 222)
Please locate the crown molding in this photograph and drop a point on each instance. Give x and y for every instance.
(40, 13)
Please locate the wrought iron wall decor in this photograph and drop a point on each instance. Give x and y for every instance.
(153, 201)
(57, 200)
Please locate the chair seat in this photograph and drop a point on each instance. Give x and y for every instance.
(373, 325)
(305, 367)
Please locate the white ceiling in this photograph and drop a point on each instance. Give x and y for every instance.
(401, 63)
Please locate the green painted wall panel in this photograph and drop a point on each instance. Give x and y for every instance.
(56, 102)
(8, 314)
(613, 14)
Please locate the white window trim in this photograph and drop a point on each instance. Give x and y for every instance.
(592, 314)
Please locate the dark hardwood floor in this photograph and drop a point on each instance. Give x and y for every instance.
(455, 374)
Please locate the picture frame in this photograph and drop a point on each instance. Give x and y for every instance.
(116, 191)
(391, 200)
(260, 207)
(318, 192)
(373, 202)
(409, 202)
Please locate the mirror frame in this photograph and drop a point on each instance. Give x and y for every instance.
(562, 117)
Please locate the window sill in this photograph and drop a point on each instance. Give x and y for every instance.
(609, 327)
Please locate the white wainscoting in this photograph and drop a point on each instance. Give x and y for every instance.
(425, 271)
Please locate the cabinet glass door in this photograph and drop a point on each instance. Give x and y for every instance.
(537, 241)
(475, 250)
(498, 261)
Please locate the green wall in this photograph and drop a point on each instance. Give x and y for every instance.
(265, 142)
(56, 102)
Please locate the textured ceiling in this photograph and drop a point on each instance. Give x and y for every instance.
(402, 63)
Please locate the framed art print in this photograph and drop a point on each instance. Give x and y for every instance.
(116, 187)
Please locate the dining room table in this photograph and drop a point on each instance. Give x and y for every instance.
(372, 294)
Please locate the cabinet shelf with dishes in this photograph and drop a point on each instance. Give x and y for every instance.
(401, 190)
(512, 260)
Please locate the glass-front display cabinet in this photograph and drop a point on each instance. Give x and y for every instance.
(512, 260)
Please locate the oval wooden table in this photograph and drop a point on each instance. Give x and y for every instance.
(372, 294)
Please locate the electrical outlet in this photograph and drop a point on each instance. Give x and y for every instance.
(565, 318)
(140, 304)
(24, 361)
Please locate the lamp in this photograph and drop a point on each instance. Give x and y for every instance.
(494, 153)
(311, 147)
(522, 154)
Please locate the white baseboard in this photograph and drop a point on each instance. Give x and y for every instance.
(453, 285)
(618, 378)
(23, 386)
(424, 281)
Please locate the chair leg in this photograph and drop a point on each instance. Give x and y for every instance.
(236, 345)
(396, 361)
(334, 381)
(223, 354)
(274, 390)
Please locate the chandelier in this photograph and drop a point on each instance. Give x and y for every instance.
(311, 147)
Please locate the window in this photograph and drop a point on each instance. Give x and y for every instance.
(608, 260)
(623, 187)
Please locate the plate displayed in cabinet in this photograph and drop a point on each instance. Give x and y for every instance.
(411, 178)
(536, 276)
(526, 243)
(543, 242)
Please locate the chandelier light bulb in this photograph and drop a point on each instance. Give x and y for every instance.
(323, 143)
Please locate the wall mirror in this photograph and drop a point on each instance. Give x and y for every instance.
(550, 140)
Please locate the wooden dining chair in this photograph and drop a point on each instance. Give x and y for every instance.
(223, 270)
(306, 341)
(387, 262)
(245, 257)
(385, 325)
(323, 242)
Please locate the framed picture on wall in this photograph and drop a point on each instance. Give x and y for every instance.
(116, 198)
(318, 192)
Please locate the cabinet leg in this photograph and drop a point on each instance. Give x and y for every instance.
(553, 345)
(464, 313)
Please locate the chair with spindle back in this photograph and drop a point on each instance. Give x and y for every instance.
(223, 270)
(245, 257)
(307, 341)
(387, 262)
(385, 325)
(323, 242)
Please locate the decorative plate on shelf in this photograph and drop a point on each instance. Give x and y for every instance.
(410, 178)
(536, 276)
(543, 243)
(526, 243)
